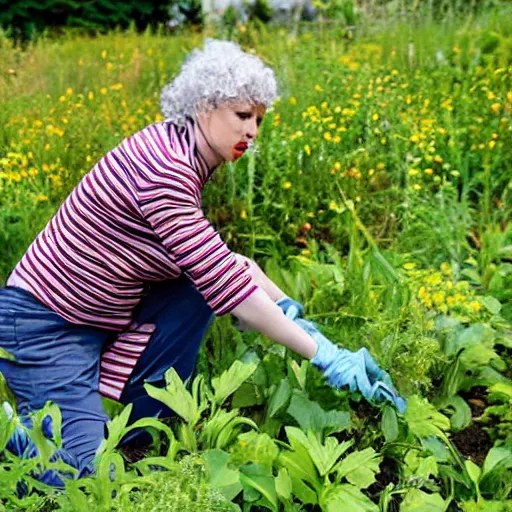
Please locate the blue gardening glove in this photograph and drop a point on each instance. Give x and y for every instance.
(357, 370)
(291, 308)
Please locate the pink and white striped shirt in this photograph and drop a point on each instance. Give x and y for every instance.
(135, 218)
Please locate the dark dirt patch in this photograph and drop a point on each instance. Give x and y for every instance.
(476, 399)
(363, 409)
(473, 443)
(389, 473)
(134, 454)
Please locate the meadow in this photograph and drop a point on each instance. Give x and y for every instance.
(379, 195)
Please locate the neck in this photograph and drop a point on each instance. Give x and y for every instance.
(205, 149)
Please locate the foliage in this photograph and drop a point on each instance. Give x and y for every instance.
(379, 197)
(25, 19)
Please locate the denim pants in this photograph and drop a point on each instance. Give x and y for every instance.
(60, 361)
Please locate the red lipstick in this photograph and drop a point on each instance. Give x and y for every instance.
(239, 149)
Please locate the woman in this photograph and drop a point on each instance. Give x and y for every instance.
(125, 279)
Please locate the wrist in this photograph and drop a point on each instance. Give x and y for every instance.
(291, 308)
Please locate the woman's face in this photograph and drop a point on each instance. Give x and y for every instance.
(228, 131)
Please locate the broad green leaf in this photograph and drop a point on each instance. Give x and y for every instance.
(346, 497)
(495, 456)
(473, 471)
(280, 398)
(176, 397)
(310, 416)
(303, 492)
(256, 448)
(461, 417)
(326, 455)
(226, 480)
(423, 419)
(486, 506)
(261, 479)
(247, 395)
(300, 467)
(360, 467)
(284, 484)
(421, 467)
(299, 462)
(491, 304)
(427, 466)
(419, 501)
(501, 391)
(230, 380)
(389, 424)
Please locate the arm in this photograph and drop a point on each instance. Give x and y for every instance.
(261, 279)
(259, 312)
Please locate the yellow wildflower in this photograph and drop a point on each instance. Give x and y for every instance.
(293, 101)
(287, 185)
(496, 107)
(414, 139)
(307, 149)
(475, 306)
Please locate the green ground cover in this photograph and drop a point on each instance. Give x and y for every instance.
(379, 196)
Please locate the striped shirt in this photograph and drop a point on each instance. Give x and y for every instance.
(135, 218)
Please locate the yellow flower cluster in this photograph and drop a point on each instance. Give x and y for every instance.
(439, 291)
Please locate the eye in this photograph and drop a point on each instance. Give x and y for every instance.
(244, 115)
(259, 120)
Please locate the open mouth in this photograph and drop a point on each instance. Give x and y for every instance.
(239, 149)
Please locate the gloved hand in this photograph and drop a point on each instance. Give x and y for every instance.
(291, 308)
(357, 370)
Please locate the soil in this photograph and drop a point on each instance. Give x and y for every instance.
(473, 443)
(134, 454)
(476, 399)
(362, 409)
(389, 473)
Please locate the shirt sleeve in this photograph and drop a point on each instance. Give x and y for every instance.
(170, 203)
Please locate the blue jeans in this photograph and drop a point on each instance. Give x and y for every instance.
(59, 361)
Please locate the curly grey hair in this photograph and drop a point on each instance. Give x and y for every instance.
(218, 74)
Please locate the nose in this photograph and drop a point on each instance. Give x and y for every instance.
(252, 129)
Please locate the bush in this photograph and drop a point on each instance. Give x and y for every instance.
(23, 19)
